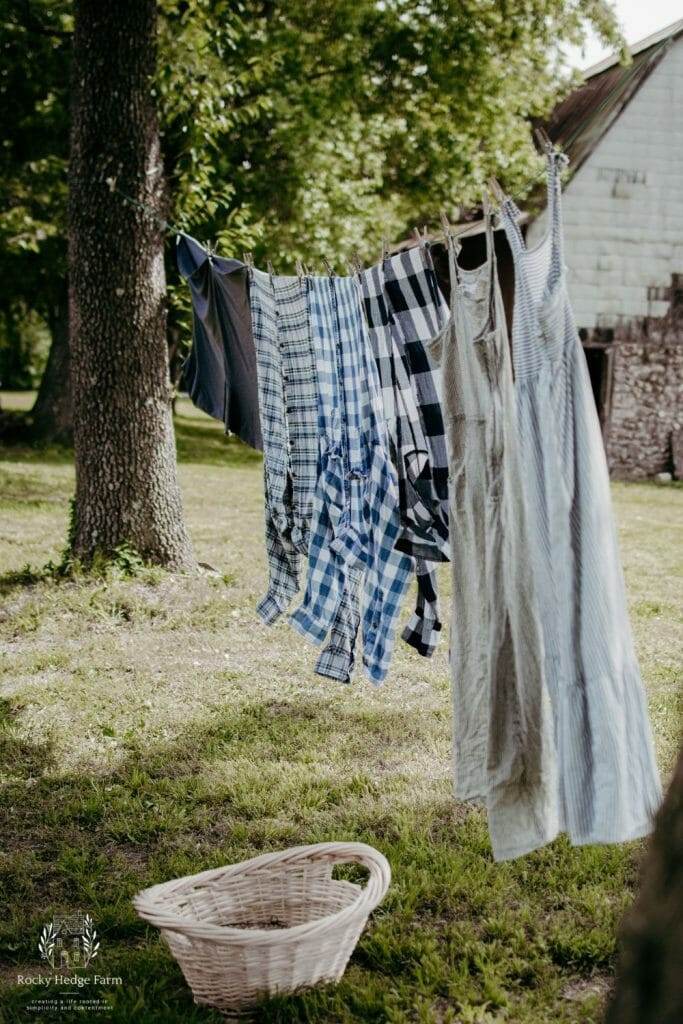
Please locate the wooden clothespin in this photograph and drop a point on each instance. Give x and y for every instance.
(270, 268)
(385, 249)
(351, 264)
(421, 237)
(299, 270)
(544, 141)
(488, 211)
(329, 269)
(496, 190)
(248, 259)
(354, 263)
(449, 234)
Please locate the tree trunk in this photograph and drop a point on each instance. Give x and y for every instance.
(126, 481)
(52, 412)
(649, 987)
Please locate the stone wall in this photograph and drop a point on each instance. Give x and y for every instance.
(644, 416)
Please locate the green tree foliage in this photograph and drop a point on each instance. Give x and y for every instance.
(34, 130)
(315, 127)
(294, 130)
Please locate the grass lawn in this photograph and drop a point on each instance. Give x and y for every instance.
(152, 727)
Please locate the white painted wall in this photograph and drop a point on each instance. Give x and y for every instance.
(621, 237)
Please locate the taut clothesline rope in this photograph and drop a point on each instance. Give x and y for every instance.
(464, 230)
(173, 229)
(170, 228)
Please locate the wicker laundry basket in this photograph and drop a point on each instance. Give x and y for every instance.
(276, 923)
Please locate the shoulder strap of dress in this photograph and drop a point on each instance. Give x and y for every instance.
(453, 248)
(511, 215)
(491, 262)
(556, 162)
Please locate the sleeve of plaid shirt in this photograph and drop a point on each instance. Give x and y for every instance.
(326, 565)
(283, 567)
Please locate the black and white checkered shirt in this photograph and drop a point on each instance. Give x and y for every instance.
(405, 310)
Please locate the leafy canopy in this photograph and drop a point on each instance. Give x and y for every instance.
(314, 127)
(298, 129)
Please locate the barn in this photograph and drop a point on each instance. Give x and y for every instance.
(623, 212)
(623, 215)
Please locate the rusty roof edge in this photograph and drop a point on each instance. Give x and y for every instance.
(658, 52)
(660, 42)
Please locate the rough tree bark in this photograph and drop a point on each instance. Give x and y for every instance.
(126, 481)
(649, 987)
(52, 412)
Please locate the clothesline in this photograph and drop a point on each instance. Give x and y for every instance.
(457, 230)
(396, 438)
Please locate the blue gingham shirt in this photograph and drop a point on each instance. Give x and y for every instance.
(288, 395)
(355, 517)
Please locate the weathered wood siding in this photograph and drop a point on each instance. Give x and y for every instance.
(623, 209)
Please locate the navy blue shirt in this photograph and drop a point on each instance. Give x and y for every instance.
(220, 371)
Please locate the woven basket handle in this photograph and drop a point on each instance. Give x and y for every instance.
(379, 879)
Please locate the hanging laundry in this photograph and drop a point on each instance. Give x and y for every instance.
(288, 388)
(503, 745)
(421, 313)
(608, 784)
(422, 509)
(220, 371)
(355, 517)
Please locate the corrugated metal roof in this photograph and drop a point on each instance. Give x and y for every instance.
(579, 122)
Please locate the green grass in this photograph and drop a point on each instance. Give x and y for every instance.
(152, 727)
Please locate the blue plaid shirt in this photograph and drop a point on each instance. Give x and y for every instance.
(356, 521)
(288, 395)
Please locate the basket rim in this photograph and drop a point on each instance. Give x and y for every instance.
(149, 902)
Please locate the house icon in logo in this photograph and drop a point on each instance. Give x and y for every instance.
(69, 932)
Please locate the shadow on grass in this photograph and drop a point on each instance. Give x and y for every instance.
(198, 440)
(271, 774)
(19, 450)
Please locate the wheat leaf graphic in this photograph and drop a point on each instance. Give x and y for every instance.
(90, 942)
(46, 944)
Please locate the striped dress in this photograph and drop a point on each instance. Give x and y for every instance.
(608, 784)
